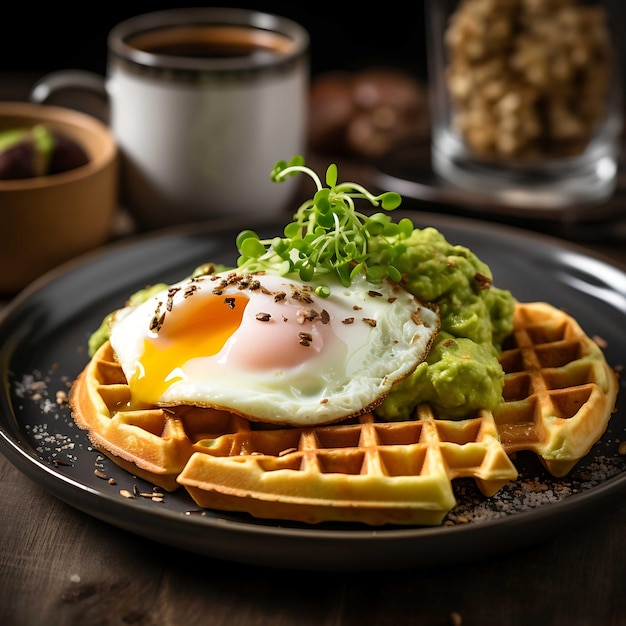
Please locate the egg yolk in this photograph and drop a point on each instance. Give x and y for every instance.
(201, 330)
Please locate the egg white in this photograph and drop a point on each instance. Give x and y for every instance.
(298, 359)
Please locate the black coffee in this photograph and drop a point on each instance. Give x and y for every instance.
(211, 42)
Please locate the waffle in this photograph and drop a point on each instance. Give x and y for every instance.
(559, 393)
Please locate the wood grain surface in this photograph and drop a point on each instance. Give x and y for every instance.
(60, 567)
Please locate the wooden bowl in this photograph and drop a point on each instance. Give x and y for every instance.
(46, 220)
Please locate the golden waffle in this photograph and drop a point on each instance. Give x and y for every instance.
(557, 387)
(559, 391)
(372, 472)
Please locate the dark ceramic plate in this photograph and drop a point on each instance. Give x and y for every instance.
(43, 336)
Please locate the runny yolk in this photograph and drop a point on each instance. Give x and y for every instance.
(197, 326)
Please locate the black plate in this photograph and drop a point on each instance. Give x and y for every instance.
(43, 336)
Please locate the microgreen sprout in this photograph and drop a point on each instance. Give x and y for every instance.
(328, 236)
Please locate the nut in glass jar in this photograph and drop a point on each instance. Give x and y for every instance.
(526, 98)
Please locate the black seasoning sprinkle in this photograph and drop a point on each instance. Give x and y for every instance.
(348, 320)
(482, 281)
(263, 317)
(374, 294)
(305, 339)
(170, 297)
(370, 322)
(416, 318)
(301, 294)
(153, 495)
(306, 315)
(61, 462)
(191, 289)
(325, 316)
(157, 321)
(154, 322)
(230, 302)
(161, 321)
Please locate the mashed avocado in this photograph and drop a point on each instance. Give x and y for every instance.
(462, 372)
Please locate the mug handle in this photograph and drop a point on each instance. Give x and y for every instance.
(76, 89)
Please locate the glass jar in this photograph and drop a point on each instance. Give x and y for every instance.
(526, 99)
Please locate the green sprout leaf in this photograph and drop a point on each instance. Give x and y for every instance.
(328, 237)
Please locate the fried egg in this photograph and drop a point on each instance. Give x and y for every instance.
(269, 349)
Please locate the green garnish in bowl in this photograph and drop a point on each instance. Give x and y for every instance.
(328, 236)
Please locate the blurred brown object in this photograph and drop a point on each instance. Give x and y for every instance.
(529, 78)
(366, 113)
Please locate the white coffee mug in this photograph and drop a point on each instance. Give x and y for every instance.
(202, 103)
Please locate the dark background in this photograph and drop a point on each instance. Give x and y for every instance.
(52, 36)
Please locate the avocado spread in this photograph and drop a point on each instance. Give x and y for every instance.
(461, 373)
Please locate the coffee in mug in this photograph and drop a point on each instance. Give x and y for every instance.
(212, 42)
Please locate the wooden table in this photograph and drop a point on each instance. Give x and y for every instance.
(61, 567)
